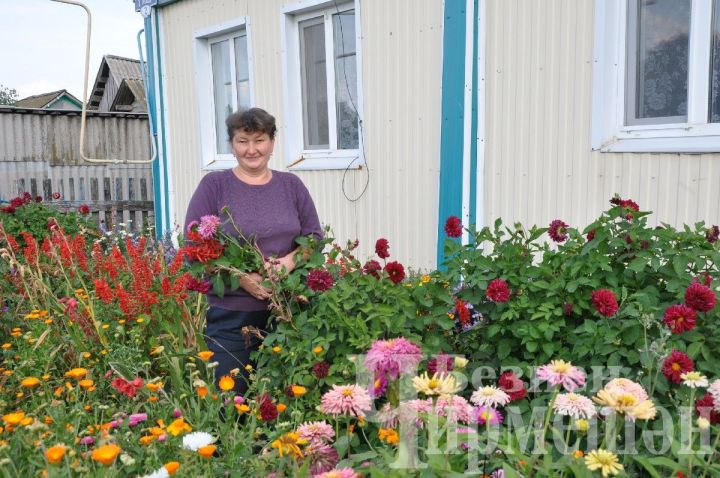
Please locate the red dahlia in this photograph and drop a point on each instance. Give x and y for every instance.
(381, 248)
(268, 410)
(512, 385)
(679, 318)
(319, 280)
(558, 231)
(705, 408)
(676, 364)
(605, 302)
(84, 209)
(372, 268)
(321, 369)
(443, 363)
(700, 297)
(498, 291)
(395, 271)
(453, 226)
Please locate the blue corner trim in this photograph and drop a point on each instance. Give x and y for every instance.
(164, 158)
(474, 123)
(451, 141)
(152, 113)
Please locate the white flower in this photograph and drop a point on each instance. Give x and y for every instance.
(460, 362)
(196, 440)
(489, 396)
(127, 460)
(703, 423)
(694, 379)
(159, 473)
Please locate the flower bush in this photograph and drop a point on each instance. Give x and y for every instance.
(590, 355)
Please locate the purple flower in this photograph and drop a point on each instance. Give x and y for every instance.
(208, 226)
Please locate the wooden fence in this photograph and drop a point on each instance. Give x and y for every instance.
(38, 154)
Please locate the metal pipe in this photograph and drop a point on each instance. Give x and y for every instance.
(84, 106)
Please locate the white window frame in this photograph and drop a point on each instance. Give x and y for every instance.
(609, 131)
(203, 38)
(296, 156)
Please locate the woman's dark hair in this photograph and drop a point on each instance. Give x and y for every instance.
(254, 120)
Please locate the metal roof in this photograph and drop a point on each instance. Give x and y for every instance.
(130, 91)
(117, 67)
(45, 99)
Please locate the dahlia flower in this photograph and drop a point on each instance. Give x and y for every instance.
(339, 473)
(489, 396)
(322, 457)
(381, 248)
(700, 297)
(605, 302)
(208, 226)
(350, 400)
(316, 431)
(559, 372)
(498, 291)
(676, 364)
(558, 231)
(679, 318)
(453, 226)
(455, 408)
(393, 357)
(574, 405)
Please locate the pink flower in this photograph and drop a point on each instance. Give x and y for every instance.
(498, 291)
(714, 390)
(87, 440)
(679, 318)
(558, 231)
(208, 226)
(319, 280)
(453, 227)
(338, 473)
(136, 418)
(323, 457)
(379, 386)
(393, 357)
(316, 431)
(348, 400)
(700, 297)
(395, 271)
(605, 302)
(559, 372)
(489, 415)
(574, 405)
(381, 248)
(455, 408)
(626, 386)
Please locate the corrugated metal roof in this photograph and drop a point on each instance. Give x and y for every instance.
(44, 99)
(117, 67)
(130, 91)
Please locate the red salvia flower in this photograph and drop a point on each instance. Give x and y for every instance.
(462, 311)
(676, 364)
(558, 231)
(605, 302)
(103, 290)
(395, 271)
(679, 318)
(700, 297)
(453, 227)
(498, 291)
(382, 247)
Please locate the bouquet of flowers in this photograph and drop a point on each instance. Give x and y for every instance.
(219, 256)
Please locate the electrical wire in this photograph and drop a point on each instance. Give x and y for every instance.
(360, 122)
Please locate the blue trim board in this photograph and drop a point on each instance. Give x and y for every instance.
(152, 114)
(163, 158)
(453, 98)
(474, 123)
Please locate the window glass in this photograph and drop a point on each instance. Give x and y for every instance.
(345, 80)
(314, 84)
(242, 72)
(714, 109)
(222, 92)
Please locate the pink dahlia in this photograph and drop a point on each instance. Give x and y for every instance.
(316, 431)
(319, 280)
(559, 372)
(714, 390)
(574, 405)
(676, 364)
(349, 400)
(382, 247)
(395, 271)
(605, 302)
(498, 291)
(485, 415)
(558, 231)
(453, 227)
(339, 473)
(208, 226)
(679, 318)
(393, 357)
(700, 297)
(512, 385)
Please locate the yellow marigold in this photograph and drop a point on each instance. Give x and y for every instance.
(318, 350)
(106, 454)
(155, 386)
(277, 349)
(298, 390)
(248, 367)
(389, 436)
(76, 373)
(206, 355)
(603, 460)
(281, 407)
(27, 421)
(289, 444)
(578, 454)
(7, 372)
(46, 377)
(55, 454)
(178, 426)
(156, 431)
(242, 408)
(86, 383)
(147, 439)
(13, 418)
(48, 420)
(6, 346)
(30, 382)
(202, 391)
(207, 451)
(171, 467)
(152, 399)
(226, 383)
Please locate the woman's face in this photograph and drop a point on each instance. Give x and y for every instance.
(252, 150)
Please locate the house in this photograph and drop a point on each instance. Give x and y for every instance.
(399, 114)
(55, 100)
(118, 86)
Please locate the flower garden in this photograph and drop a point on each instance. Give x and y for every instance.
(593, 353)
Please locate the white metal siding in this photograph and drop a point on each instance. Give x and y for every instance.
(401, 71)
(539, 165)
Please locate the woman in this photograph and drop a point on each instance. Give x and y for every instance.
(272, 208)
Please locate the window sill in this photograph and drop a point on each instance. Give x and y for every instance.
(316, 160)
(220, 162)
(686, 138)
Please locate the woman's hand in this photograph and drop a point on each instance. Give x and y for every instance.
(252, 283)
(282, 264)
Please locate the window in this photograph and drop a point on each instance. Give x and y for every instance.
(656, 76)
(224, 85)
(322, 61)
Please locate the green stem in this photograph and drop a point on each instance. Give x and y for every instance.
(692, 452)
(712, 453)
(545, 427)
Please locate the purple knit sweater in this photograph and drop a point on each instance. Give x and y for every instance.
(274, 214)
